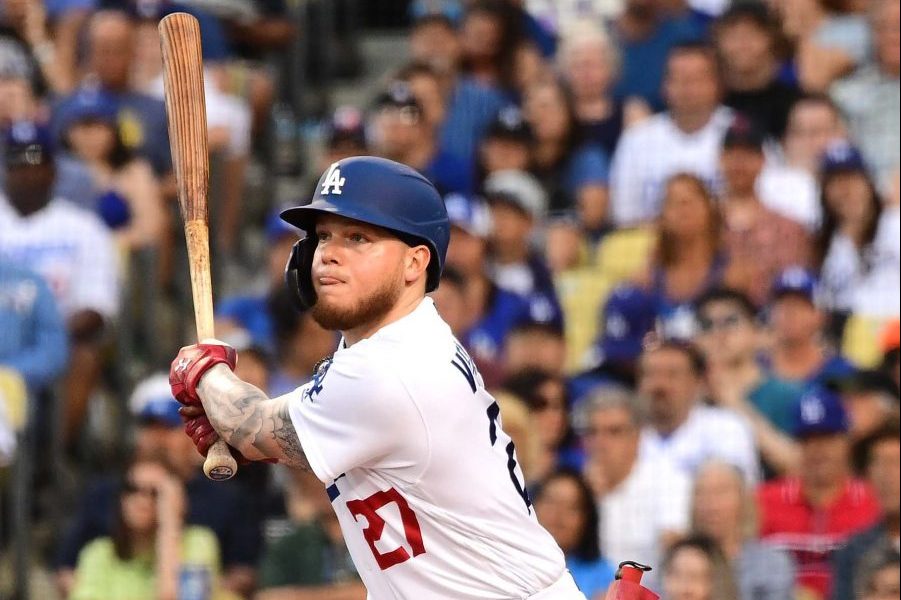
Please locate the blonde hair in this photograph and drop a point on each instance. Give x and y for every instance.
(748, 521)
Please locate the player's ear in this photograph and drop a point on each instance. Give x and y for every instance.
(417, 263)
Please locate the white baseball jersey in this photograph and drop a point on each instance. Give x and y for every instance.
(423, 478)
(70, 248)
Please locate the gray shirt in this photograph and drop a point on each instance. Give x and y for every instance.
(871, 100)
(764, 573)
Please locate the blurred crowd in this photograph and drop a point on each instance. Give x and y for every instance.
(675, 258)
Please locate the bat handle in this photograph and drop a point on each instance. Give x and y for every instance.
(220, 464)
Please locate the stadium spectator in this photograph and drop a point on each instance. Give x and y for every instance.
(799, 354)
(426, 85)
(110, 55)
(858, 248)
(345, 137)
(730, 339)
(27, 48)
(565, 506)
(534, 345)
(646, 35)
(517, 206)
(70, 248)
(814, 123)
(450, 300)
(589, 62)
(686, 137)
(813, 514)
(870, 99)
(471, 104)
(150, 552)
(33, 340)
(870, 399)
(490, 35)
(643, 501)
(830, 41)
(545, 396)
(760, 243)
(507, 144)
(126, 193)
(308, 557)
(574, 174)
(696, 569)
(879, 576)
(401, 133)
(747, 42)
(689, 259)
(882, 450)
(223, 507)
(725, 511)
(680, 427)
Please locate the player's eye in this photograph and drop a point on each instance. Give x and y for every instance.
(322, 235)
(358, 238)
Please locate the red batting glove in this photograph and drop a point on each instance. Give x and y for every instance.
(201, 432)
(190, 365)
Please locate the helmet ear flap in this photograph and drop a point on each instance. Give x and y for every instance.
(299, 273)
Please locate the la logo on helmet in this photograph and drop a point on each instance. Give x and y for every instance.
(333, 181)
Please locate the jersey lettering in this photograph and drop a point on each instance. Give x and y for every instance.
(494, 412)
(333, 180)
(463, 363)
(375, 526)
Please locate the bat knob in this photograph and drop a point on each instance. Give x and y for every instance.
(220, 464)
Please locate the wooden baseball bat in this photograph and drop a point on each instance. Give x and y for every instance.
(186, 110)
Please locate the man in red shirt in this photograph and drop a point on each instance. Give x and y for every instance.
(813, 515)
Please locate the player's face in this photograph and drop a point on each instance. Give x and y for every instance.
(358, 273)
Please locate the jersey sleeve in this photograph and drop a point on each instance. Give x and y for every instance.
(357, 413)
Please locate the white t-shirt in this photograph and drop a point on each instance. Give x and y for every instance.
(709, 433)
(791, 192)
(70, 248)
(653, 500)
(879, 291)
(651, 152)
(423, 479)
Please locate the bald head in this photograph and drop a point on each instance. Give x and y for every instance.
(111, 48)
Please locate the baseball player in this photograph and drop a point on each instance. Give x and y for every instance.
(397, 423)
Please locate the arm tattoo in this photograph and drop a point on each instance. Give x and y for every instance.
(248, 420)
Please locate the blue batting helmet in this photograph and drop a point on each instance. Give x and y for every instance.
(379, 192)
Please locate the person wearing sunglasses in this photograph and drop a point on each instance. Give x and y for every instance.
(150, 553)
(729, 336)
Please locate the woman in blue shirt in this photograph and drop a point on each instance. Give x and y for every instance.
(565, 507)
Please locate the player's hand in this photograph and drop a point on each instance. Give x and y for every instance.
(191, 364)
(201, 432)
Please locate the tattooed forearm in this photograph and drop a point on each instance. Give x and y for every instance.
(248, 420)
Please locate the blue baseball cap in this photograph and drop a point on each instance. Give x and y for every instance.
(796, 281)
(469, 214)
(27, 143)
(88, 104)
(152, 401)
(819, 412)
(840, 157)
(629, 315)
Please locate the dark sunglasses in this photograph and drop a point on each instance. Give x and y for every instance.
(729, 322)
(131, 487)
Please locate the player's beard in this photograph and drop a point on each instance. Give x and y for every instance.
(366, 310)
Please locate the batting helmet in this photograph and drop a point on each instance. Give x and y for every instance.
(378, 192)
